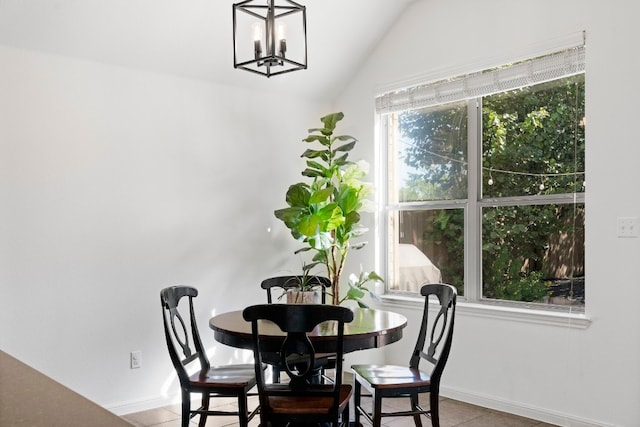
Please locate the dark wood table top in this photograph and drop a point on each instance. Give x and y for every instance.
(370, 328)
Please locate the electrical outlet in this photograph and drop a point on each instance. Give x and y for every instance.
(628, 227)
(136, 359)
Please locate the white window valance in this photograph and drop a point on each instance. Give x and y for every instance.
(500, 79)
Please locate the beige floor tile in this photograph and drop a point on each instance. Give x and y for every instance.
(454, 413)
(499, 419)
(152, 417)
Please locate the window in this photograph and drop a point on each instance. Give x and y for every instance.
(485, 183)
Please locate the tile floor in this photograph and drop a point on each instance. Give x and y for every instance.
(452, 414)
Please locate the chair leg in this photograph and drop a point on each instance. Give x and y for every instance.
(377, 409)
(345, 417)
(243, 410)
(414, 407)
(205, 407)
(435, 409)
(186, 408)
(357, 389)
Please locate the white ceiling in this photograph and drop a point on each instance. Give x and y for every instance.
(193, 38)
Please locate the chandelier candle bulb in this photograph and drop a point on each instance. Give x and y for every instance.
(282, 37)
(283, 47)
(257, 39)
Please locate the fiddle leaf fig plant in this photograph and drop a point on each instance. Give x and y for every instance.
(324, 212)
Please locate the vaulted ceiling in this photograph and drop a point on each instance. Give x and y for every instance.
(193, 38)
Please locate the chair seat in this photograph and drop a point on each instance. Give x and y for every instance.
(231, 376)
(309, 405)
(392, 376)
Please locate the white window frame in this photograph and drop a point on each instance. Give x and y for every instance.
(449, 90)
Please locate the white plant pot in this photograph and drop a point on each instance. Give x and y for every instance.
(305, 297)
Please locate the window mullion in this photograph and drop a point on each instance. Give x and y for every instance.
(472, 269)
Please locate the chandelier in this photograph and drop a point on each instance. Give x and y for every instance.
(269, 36)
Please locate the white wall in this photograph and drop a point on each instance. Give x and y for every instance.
(115, 183)
(555, 373)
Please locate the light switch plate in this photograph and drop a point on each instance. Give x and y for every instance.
(136, 359)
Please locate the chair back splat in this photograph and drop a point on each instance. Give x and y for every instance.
(432, 349)
(439, 332)
(282, 284)
(185, 349)
(302, 399)
(183, 338)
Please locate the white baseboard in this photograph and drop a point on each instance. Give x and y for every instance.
(540, 414)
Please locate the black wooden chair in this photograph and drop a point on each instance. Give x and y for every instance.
(280, 284)
(391, 381)
(185, 349)
(301, 400)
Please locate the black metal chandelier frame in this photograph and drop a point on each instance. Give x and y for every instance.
(273, 59)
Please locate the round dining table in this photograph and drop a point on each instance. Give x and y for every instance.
(370, 328)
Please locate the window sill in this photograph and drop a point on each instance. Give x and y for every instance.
(494, 311)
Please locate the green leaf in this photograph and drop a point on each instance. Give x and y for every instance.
(353, 217)
(316, 166)
(312, 173)
(358, 246)
(374, 276)
(320, 183)
(311, 154)
(346, 147)
(296, 234)
(322, 241)
(290, 216)
(331, 217)
(354, 293)
(321, 195)
(344, 138)
(322, 139)
(342, 160)
(298, 195)
(330, 120)
(354, 173)
(310, 225)
(347, 199)
(308, 267)
(320, 256)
